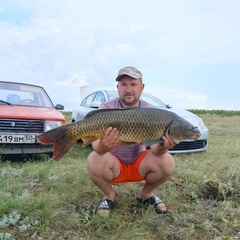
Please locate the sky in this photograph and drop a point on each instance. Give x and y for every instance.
(187, 50)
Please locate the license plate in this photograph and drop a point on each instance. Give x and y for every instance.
(22, 138)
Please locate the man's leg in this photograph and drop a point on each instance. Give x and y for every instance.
(102, 168)
(156, 170)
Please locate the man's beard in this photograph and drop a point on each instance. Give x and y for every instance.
(129, 104)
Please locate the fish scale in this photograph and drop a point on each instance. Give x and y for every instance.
(135, 125)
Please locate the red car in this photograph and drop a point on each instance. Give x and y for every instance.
(26, 111)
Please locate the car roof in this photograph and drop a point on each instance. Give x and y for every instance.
(28, 84)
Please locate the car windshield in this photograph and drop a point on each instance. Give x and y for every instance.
(13, 93)
(153, 100)
(112, 94)
(144, 96)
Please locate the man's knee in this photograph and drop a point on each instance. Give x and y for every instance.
(167, 164)
(90, 160)
(101, 162)
(94, 164)
(91, 157)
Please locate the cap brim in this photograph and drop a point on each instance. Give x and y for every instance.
(132, 76)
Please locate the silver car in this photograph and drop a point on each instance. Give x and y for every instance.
(94, 99)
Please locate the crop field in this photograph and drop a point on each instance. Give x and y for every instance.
(43, 199)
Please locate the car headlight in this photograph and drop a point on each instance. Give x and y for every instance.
(201, 123)
(48, 125)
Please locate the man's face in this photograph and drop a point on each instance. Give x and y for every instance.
(129, 91)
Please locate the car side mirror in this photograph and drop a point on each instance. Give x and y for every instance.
(95, 104)
(59, 107)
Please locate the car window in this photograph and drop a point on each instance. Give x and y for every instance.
(99, 97)
(24, 94)
(112, 94)
(152, 100)
(88, 100)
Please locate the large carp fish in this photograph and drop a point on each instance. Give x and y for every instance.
(135, 125)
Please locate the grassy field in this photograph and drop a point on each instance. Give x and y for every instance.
(43, 199)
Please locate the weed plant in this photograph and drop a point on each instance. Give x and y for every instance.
(43, 199)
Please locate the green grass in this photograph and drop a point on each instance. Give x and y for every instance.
(68, 116)
(43, 199)
(225, 113)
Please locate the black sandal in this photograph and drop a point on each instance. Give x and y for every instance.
(105, 206)
(153, 200)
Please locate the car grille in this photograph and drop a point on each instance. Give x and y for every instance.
(190, 145)
(21, 126)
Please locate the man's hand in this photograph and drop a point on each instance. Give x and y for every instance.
(163, 147)
(167, 143)
(109, 140)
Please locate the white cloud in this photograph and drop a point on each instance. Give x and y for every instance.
(179, 98)
(75, 80)
(65, 44)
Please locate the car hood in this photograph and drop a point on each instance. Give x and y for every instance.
(190, 117)
(181, 112)
(23, 112)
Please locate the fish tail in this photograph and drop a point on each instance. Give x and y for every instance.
(58, 138)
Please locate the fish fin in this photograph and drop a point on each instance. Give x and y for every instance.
(88, 140)
(60, 147)
(57, 137)
(151, 142)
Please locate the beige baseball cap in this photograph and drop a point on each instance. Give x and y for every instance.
(129, 71)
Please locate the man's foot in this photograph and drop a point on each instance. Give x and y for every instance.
(157, 203)
(104, 207)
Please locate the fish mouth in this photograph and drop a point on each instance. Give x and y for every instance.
(197, 133)
(195, 138)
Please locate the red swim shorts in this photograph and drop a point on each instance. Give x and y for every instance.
(129, 172)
